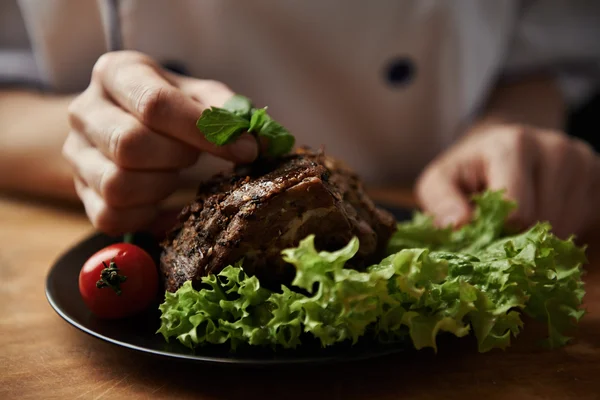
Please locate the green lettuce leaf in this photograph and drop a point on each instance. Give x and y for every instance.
(486, 226)
(474, 281)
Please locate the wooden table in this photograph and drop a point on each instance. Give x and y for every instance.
(43, 357)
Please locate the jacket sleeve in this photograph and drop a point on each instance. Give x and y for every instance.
(561, 37)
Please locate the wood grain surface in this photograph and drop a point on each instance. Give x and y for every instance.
(43, 357)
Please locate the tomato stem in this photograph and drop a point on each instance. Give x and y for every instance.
(128, 238)
(109, 277)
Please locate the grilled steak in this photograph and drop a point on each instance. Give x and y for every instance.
(256, 213)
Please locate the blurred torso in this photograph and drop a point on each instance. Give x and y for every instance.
(321, 67)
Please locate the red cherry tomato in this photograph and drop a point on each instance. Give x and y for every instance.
(128, 286)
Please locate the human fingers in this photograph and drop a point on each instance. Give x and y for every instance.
(439, 194)
(110, 220)
(136, 84)
(119, 188)
(509, 164)
(125, 140)
(566, 181)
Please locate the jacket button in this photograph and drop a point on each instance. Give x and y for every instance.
(400, 71)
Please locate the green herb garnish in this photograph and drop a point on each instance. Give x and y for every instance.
(239, 105)
(222, 126)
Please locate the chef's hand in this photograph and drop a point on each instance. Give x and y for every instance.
(132, 132)
(551, 176)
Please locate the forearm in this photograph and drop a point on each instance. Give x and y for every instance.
(33, 128)
(535, 102)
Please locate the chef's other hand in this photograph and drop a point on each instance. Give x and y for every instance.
(552, 178)
(132, 131)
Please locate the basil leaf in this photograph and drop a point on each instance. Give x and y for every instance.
(239, 105)
(280, 139)
(221, 126)
(259, 117)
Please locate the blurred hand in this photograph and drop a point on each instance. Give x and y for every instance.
(551, 176)
(132, 132)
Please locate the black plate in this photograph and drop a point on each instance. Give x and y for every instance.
(138, 333)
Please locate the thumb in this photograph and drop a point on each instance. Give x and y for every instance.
(439, 194)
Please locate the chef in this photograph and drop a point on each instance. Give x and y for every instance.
(458, 96)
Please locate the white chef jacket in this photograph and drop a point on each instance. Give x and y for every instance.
(385, 85)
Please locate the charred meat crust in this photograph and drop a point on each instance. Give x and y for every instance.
(255, 212)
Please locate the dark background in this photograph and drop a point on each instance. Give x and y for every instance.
(584, 122)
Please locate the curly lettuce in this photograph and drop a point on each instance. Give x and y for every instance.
(471, 281)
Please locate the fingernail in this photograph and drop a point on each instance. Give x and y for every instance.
(245, 148)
